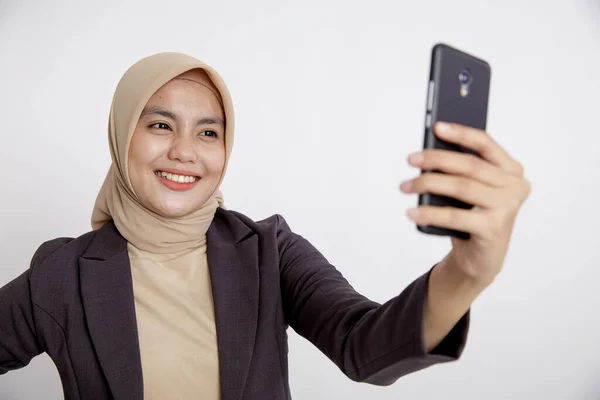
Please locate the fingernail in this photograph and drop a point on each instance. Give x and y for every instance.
(444, 128)
(415, 158)
(412, 213)
(406, 186)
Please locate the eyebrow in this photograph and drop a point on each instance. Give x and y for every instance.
(168, 114)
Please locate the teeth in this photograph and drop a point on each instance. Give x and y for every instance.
(176, 178)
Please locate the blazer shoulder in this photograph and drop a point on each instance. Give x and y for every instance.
(61, 248)
(275, 230)
(273, 223)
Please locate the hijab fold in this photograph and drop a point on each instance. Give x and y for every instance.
(117, 200)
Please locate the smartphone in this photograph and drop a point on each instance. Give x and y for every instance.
(458, 92)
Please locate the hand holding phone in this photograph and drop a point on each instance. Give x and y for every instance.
(473, 196)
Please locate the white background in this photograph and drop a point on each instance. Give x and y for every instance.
(330, 99)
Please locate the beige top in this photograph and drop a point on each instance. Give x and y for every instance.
(176, 324)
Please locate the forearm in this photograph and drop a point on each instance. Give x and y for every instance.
(450, 295)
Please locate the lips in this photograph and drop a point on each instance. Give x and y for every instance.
(177, 180)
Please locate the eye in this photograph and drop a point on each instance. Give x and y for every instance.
(160, 126)
(209, 133)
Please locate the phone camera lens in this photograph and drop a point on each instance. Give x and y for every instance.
(465, 76)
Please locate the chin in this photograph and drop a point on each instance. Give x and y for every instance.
(175, 212)
(177, 205)
(177, 208)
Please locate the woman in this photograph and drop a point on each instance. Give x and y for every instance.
(173, 296)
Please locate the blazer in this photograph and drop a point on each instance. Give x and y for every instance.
(76, 303)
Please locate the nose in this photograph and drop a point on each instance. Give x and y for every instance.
(182, 150)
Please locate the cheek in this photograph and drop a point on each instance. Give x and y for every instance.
(143, 151)
(216, 161)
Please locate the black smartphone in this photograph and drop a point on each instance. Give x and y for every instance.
(458, 92)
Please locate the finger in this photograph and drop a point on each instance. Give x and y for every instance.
(479, 141)
(449, 218)
(457, 187)
(462, 164)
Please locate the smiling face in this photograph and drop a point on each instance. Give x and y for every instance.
(177, 151)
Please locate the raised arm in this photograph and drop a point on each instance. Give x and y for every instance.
(369, 342)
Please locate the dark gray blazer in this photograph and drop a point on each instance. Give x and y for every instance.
(75, 303)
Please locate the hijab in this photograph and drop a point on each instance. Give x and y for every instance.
(117, 201)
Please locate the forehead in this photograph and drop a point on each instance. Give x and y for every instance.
(198, 75)
(192, 88)
(196, 80)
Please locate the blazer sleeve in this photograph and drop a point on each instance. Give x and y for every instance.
(19, 342)
(370, 342)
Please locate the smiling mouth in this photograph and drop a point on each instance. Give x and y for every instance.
(177, 178)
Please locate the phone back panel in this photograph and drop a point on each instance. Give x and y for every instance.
(447, 103)
(458, 92)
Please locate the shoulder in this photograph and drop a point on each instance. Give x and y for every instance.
(274, 231)
(274, 223)
(59, 251)
(54, 268)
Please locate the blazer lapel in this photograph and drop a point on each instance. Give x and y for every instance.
(107, 294)
(232, 251)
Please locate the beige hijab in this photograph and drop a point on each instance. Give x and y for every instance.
(117, 200)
